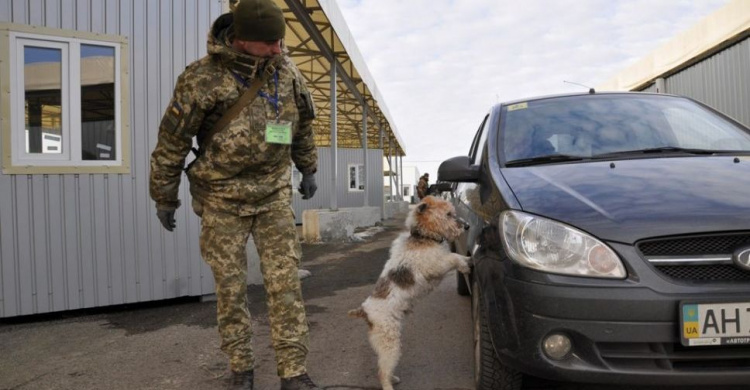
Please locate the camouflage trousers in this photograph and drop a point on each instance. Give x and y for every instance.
(223, 242)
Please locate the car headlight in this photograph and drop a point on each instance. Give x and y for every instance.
(551, 246)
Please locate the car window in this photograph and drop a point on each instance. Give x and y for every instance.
(598, 124)
(477, 146)
(700, 132)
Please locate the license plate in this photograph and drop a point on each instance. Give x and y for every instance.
(715, 323)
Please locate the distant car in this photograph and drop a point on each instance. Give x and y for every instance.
(610, 241)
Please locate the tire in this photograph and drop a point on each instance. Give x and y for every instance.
(489, 372)
(462, 288)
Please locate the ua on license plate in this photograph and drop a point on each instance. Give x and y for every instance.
(715, 323)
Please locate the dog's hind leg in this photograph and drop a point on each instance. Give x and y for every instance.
(386, 341)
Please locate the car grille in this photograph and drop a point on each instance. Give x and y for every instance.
(694, 246)
(719, 272)
(706, 258)
(672, 356)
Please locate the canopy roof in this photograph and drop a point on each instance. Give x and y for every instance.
(316, 34)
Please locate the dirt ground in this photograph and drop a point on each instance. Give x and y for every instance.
(175, 344)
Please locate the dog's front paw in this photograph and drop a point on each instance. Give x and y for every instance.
(464, 265)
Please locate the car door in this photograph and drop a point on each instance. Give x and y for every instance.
(465, 243)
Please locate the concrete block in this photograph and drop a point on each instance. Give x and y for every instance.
(336, 225)
(394, 208)
(326, 225)
(365, 216)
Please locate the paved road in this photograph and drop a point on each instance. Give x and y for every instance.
(175, 345)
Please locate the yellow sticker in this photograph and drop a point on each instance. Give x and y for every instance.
(519, 106)
(690, 330)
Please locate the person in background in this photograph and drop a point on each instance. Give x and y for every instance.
(423, 185)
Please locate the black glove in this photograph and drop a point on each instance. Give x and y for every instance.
(307, 186)
(167, 219)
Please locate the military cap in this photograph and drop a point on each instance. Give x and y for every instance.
(258, 20)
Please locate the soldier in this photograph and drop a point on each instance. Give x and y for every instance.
(422, 186)
(240, 180)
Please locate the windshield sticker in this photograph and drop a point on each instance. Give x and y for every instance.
(519, 106)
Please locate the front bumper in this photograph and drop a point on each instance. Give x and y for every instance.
(622, 331)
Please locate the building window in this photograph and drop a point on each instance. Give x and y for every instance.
(66, 105)
(406, 190)
(356, 177)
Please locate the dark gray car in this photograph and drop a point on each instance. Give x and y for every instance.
(610, 238)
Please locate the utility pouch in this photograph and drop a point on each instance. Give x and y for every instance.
(304, 103)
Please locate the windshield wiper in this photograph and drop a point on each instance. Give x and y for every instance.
(662, 149)
(553, 158)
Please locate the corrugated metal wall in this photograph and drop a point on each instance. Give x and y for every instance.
(76, 241)
(651, 88)
(345, 198)
(721, 81)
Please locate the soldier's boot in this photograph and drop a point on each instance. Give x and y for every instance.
(299, 382)
(241, 380)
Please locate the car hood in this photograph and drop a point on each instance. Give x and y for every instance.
(634, 199)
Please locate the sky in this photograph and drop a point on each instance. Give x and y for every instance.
(441, 64)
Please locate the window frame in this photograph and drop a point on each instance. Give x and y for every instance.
(13, 39)
(357, 169)
(478, 148)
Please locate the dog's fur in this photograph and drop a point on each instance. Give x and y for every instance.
(419, 259)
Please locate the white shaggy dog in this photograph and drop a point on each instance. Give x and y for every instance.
(419, 259)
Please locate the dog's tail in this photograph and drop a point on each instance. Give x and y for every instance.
(357, 313)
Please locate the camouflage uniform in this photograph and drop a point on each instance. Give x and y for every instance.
(240, 186)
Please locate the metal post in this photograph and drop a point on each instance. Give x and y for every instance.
(380, 183)
(390, 168)
(364, 148)
(395, 163)
(380, 132)
(661, 85)
(334, 142)
(401, 175)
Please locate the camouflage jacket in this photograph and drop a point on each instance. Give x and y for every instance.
(238, 172)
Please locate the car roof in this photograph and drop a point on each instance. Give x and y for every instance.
(533, 98)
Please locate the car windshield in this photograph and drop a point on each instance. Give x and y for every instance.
(579, 128)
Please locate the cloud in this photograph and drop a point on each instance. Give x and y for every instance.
(441, 64)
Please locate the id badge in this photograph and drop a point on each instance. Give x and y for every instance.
(279, 132)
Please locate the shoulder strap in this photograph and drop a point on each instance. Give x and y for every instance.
(246, 99)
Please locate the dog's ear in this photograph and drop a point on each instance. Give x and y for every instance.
(421, 208)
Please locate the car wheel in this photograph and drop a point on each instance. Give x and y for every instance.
(489, 372)
(462, 287)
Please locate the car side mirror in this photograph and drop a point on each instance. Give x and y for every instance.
(458, 169)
